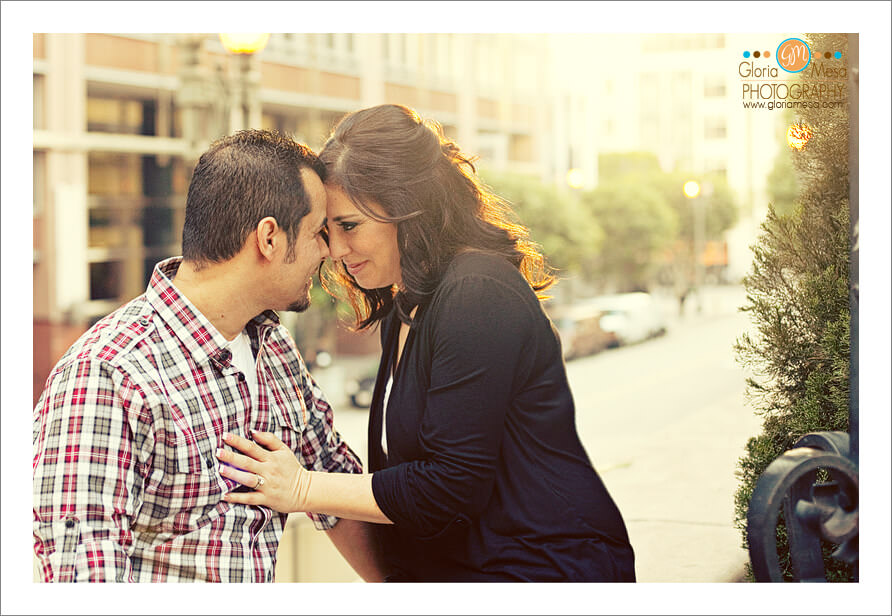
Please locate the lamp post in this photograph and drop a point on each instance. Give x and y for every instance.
(246, 46)
(196, 95)
(692, 190)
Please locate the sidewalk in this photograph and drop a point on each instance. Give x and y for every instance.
(677, 497)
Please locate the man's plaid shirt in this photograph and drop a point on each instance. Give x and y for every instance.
(126, 483)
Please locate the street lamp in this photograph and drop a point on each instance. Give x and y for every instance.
(246, 46)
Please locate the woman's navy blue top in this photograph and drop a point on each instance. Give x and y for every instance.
(485, 477)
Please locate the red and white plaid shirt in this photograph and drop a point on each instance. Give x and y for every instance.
(126, 483)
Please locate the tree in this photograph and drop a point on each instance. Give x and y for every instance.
(569, 235)
(797, 298)
(641, 169)
(783, 185)
(639, 225)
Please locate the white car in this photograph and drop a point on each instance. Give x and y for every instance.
(630, 317)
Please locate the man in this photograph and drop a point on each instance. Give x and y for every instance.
(126, 483)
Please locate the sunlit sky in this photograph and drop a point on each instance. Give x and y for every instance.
(20, 19)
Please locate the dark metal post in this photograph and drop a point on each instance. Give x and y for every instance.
(853, 234)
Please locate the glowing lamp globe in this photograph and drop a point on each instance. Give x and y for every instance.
(798, 135)
(243, 42)
(575, 178)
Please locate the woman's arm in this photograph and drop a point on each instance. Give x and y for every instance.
(289, 487)
(357, 543)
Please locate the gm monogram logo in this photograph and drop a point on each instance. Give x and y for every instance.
(793, 55)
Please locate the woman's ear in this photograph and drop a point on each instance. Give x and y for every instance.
(268, 237)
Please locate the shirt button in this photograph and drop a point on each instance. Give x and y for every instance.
(144, 322)
(69, 523)
(209, 463)
(269, 576)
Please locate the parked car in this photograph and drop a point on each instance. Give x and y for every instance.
(360, 391)
(629, 317)
(579, 329)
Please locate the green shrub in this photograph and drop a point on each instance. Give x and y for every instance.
(798, 300)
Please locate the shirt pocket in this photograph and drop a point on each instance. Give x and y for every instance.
(289, 415)
(192, 451)
(184, 489)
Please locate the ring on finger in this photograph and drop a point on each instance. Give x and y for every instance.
(259, 483)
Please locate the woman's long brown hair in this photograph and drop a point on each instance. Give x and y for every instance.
(428, 188)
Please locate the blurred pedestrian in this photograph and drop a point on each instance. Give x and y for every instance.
(478, 471)
(126, 484)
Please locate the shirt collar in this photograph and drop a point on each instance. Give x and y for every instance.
(198, 335)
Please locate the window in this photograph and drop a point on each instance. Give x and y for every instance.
(114, 115)
(717, 167)
(136, 206)
(714, 86)
(105, 280)
(715, 128)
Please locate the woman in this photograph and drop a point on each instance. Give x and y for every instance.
(478, 473)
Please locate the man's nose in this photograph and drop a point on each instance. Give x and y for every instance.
(324, 249)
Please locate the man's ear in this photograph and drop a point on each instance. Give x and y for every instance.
(269, 236)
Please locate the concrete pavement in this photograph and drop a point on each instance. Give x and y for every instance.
(675, 485)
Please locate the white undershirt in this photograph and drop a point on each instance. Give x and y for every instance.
(384, 414)
(243, 359)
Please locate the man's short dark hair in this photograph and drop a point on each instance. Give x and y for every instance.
(238, 181)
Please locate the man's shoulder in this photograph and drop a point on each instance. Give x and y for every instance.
(283, 348)
(114, 336)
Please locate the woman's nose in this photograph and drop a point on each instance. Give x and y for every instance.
(337, 247)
